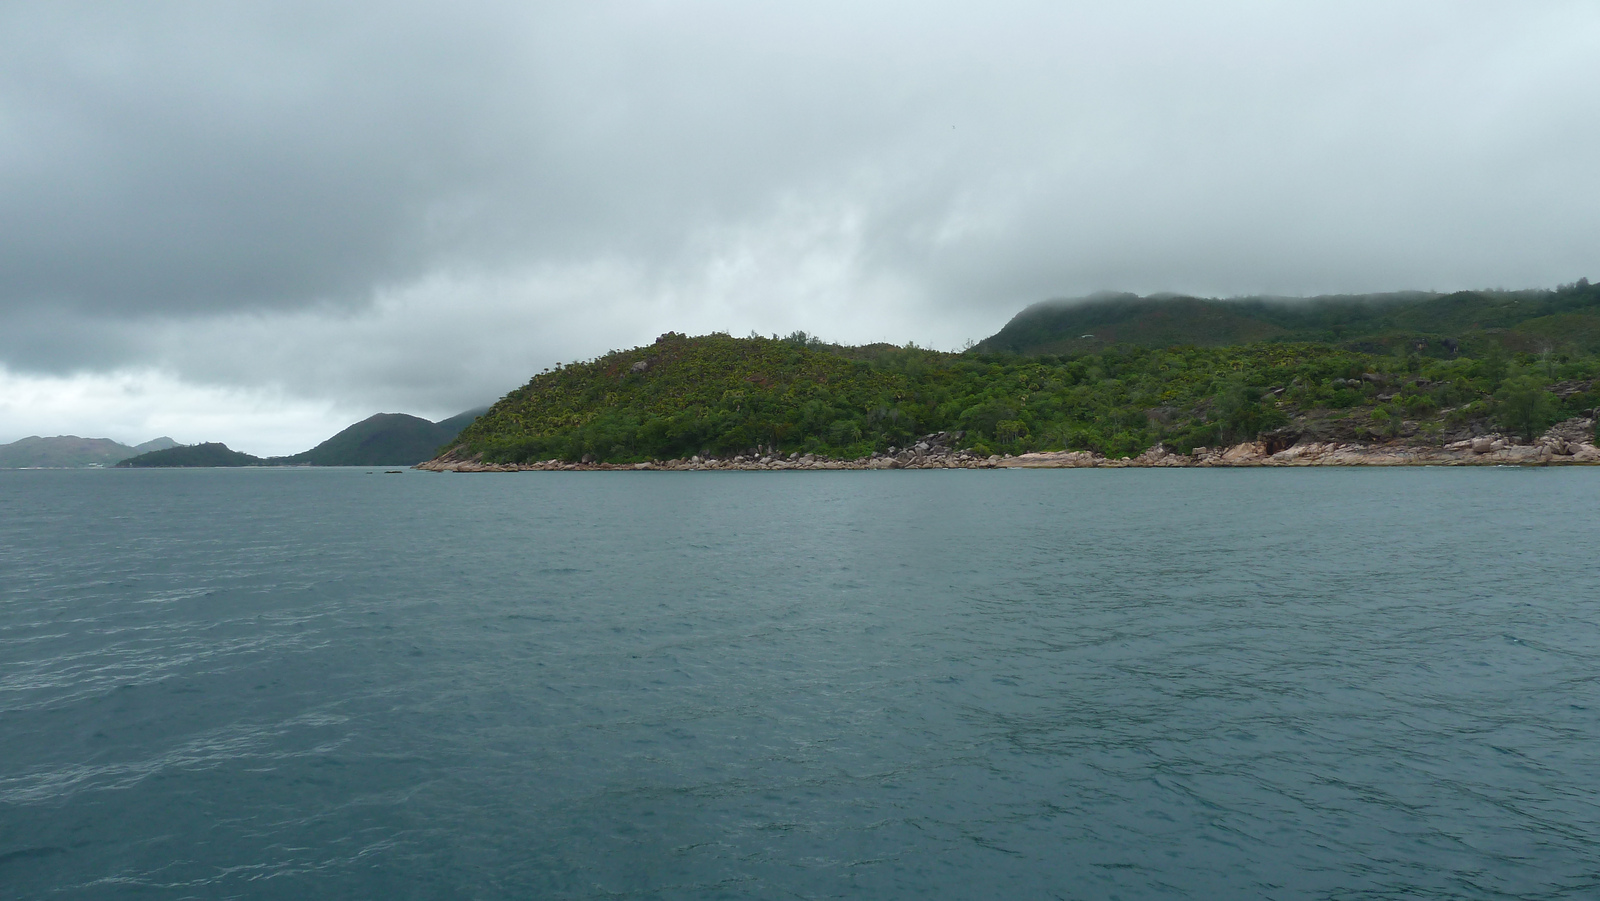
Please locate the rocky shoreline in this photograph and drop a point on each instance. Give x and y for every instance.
(1570, 443)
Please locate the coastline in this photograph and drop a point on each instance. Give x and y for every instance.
(1554, 448)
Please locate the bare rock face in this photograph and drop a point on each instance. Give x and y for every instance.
(1586, 453)
(1575, 431)
(1051, 460)
(1570, 442)
(1244, 452)
(1302, 452)
(1160, 456)
(1531, 453)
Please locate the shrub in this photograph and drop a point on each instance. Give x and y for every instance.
(1523, 406)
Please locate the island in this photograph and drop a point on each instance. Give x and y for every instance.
(73, 452)
(1470, 378)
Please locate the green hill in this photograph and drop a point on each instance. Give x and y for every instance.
(212, 454)
(682, 396)
(456, 423)
(385, 439)
(1566, 320)
(1523, 362)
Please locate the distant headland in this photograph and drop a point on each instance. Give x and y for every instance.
(384, 439)
(1470, 378)
(72, 452)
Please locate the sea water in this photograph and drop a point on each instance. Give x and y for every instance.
(1342, 684)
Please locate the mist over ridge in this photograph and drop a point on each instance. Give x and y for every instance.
(1529, 319)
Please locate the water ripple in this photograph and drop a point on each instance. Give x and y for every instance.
(1129, 684)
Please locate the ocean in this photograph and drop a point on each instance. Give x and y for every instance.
(1086, 684)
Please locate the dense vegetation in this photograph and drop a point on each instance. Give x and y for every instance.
(719, 395)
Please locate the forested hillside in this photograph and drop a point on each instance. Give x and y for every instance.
(719, 395)
(207, 454)
(1566, 320)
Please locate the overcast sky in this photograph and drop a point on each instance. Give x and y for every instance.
(259, 223)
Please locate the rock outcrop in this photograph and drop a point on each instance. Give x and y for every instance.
(1570, 442)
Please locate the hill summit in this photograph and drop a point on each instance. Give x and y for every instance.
(383, 439)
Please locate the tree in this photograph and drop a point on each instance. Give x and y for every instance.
(1524, 407)
(1239, 414)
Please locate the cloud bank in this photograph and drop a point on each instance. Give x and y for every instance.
(275, 218)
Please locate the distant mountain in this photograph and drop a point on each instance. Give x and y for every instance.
(211, 454)
(72, 452)
(155, 444)
(1566, 319)
(385, 439)
(456, 423)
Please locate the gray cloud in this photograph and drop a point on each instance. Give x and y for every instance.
(206, 159)
(410, 204)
